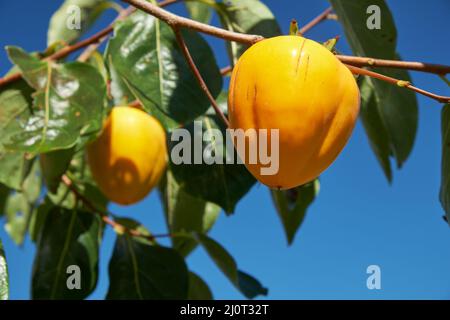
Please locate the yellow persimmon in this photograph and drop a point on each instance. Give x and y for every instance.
(130, 155)
(299, 87)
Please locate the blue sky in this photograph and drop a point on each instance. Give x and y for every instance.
(357, 220)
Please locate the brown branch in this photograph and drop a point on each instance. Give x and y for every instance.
(197, 74)
(176, 21)
(321, 17)
(104, 215)
(226, 70)
(397, 82)
(409, 65)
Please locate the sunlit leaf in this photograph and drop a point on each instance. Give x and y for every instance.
(69, 101)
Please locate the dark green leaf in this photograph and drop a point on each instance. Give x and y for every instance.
(4, 282)
(444, 195)
(395, 115)
(198, 289)
(146, 56)
(69, 101)
(375, 129)
(250, 286)
(292, 205)
(230, 181)
(199, 11)
(74, 18)
(246, 284)
(54, 164)
(142, 271)
(247, 16)
(185, 213)
(20, 205)
(4, 193)
(68, 238)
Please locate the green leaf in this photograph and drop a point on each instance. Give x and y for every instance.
(396, 112)
(246, 16)
(198, 289)
(199, 11)
(292, 204)
(250, 286)
(20, 205)
(15, 102)
(374, 127)
(14, 167)
(185, 213)
(69, 238)
(68, 102)
(74, 18)
(54, 164)
(231, 181)
(444, 194)
(246, 284)
(142, 271)
(146, 56)
(4, 282)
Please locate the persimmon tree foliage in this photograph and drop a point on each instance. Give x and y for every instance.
(52, 107)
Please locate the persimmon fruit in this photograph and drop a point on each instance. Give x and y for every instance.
(129, 156)
(298, 86)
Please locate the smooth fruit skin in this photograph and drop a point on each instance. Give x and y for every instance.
(299, 87)
(130, 155)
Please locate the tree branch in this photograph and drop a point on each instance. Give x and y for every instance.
(321, 17)
(197, 74)
(174, 20)
(105, 215)
(409, 65)
(397, 82)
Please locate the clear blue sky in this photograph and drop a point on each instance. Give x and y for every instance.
(358, 219)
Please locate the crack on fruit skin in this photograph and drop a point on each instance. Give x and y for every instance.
(299, 56)
(306, 69)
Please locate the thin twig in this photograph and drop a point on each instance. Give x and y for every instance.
(197, 74)
(321, 17)
(397, 82)
(105, 215)
(226, 70)
(409, 65)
